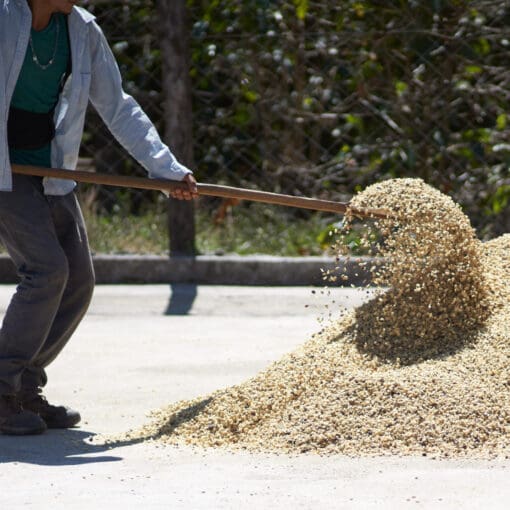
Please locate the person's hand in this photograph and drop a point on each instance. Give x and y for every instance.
(186, 194)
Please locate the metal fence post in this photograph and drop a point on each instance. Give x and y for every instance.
(176, 61)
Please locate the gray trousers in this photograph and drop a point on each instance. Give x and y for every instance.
(46, 239)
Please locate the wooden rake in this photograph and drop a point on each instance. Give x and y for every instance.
(212, 190)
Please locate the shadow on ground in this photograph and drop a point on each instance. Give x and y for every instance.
(182, 297)
(166, 428)
(68, 447)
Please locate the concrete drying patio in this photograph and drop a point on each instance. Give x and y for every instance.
(141, 347)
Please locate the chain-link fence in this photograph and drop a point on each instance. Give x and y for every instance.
(325, 98)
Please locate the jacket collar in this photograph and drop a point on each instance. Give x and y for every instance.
(85, 15)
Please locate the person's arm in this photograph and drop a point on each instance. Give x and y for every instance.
(128, 122)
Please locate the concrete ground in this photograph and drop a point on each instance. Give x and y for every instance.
(141, 347)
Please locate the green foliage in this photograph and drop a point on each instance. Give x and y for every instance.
(126, 234)
(325, 98)
(301, 8)
(247, 230)
(499, 200)
(344, 95)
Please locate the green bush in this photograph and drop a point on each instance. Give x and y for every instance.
(325, 98)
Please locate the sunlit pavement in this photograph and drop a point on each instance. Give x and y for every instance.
(141, 347)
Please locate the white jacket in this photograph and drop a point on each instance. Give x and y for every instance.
(95, 76)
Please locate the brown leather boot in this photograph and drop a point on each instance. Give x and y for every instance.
(16, 421)
(55, 417)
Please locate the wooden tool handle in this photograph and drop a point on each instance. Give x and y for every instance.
(212, 190)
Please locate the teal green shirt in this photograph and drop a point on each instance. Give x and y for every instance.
(37, 89)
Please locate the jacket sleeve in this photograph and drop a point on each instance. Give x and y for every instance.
(123, 115)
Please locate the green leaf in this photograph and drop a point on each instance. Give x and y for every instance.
(481, 135)
(482, 46)
(307, 102)
(251, 96)
(352, 119)
(473, 70)
(400, 88)
(501, 121)
(500, 199)
(301, 8)
(242, 116)
(359, 9)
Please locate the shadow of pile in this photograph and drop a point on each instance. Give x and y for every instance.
(406, 335)
(167, 427)
(180, 417)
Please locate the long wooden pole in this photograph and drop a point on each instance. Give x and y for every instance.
(213, 190)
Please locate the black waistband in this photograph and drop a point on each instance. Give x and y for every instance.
(29, 130)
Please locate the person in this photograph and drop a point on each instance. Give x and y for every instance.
(54, 59)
